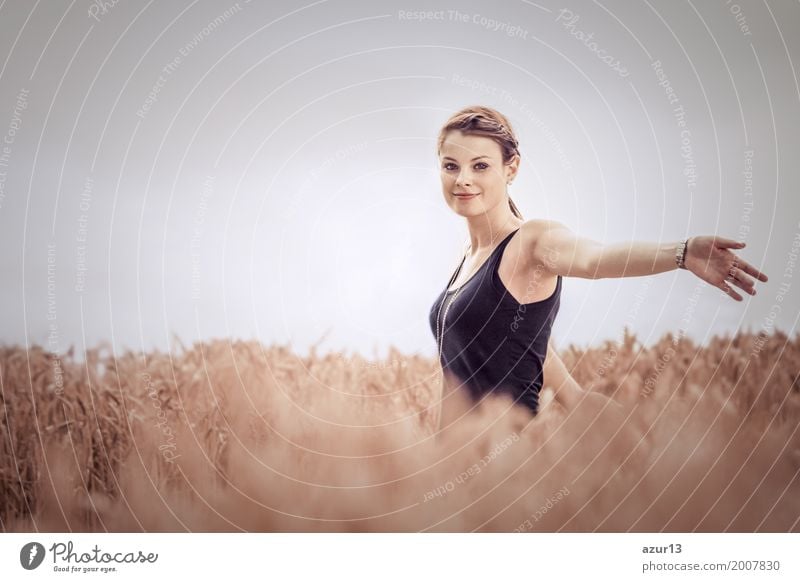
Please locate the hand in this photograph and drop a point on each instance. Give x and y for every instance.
(710, 258)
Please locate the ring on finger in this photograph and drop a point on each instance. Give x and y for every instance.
(737, 276)
(733, 274)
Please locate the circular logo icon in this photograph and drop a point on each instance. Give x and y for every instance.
(31, 555)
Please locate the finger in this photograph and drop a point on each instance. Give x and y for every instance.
(741, 280)
(751, 270)
(729, 243)
(729, 291)
(746, 286)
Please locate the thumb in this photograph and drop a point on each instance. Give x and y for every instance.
(729, 243)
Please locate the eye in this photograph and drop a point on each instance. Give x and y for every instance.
(479, 166)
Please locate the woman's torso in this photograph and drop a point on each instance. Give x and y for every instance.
(497, 328)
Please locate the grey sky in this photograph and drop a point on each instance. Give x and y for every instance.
(268, 170)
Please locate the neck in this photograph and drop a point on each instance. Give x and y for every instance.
(486, 229)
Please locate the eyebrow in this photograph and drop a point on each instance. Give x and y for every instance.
(472, 160)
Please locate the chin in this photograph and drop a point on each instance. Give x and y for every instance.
(468, 213)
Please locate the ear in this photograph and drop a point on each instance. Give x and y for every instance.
(512, 168)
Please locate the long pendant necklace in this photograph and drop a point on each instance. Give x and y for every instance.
(449, 303)
(439, 334)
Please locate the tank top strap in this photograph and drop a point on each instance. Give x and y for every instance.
(498, 251)
(491, 262)
(505, 241)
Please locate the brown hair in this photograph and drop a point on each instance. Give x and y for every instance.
(488, 122)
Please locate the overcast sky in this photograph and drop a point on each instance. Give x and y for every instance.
(268, 170)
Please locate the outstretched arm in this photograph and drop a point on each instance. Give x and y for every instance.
(709, 257)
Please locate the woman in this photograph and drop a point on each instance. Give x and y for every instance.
(492, 321)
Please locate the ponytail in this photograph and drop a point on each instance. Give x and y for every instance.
(514, 209)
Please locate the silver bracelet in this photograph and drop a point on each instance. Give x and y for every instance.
(680, 254)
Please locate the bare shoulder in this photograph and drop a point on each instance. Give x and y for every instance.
(537, 227)
(537, 237)
(526, 269)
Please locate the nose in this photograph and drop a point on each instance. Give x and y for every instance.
(463, 178)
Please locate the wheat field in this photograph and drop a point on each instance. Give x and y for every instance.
(238, 436)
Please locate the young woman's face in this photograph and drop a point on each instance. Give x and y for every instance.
(474, 177)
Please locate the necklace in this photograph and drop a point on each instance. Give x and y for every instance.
(439, 334)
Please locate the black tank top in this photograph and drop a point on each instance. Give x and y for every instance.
(492, 343)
